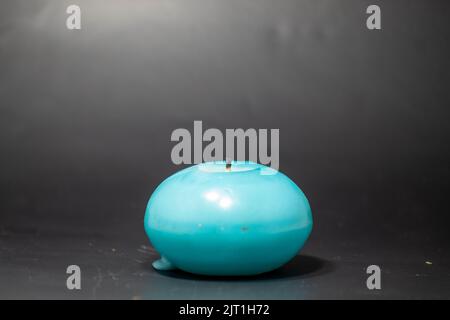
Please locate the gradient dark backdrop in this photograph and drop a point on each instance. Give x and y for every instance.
(86, 118)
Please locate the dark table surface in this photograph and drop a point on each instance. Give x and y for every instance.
(113, 267)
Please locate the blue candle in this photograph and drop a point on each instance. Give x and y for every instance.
(216, 218)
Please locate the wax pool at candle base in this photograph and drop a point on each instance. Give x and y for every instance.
(214, 219)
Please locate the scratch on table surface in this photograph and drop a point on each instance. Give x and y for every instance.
(139, 274)
(98, 283)
(421, 275)
(114, 275)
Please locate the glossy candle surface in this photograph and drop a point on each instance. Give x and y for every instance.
(217, 219)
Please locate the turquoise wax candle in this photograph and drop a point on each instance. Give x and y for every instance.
(215, 218)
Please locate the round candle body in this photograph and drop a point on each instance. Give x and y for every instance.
(217, 219)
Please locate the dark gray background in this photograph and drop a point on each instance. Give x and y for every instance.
(86, 118)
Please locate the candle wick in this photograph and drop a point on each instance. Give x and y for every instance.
(228, 166)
